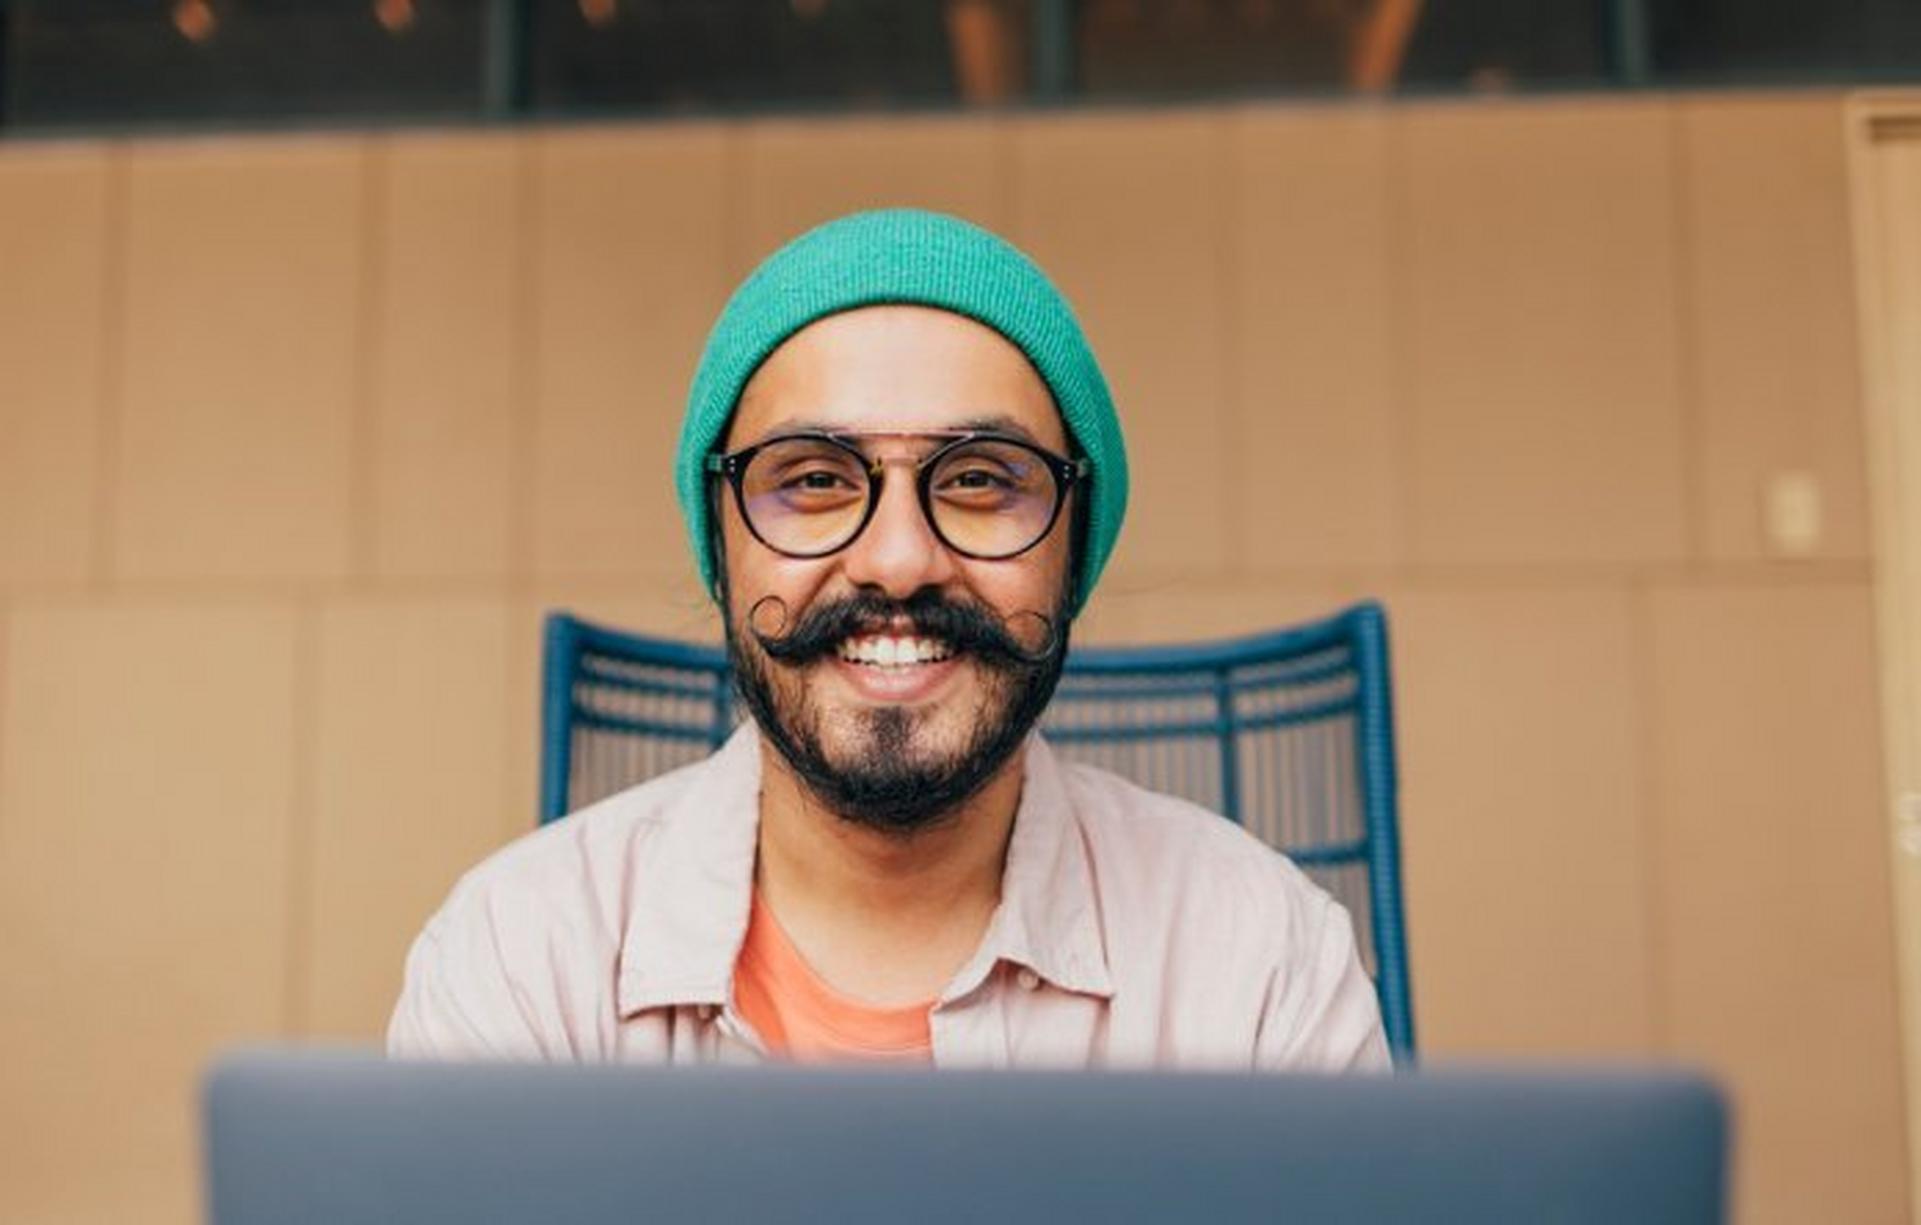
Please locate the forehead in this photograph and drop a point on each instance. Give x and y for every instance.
(895, 367)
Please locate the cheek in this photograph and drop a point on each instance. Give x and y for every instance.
(755, 572)
(1028, 583)
(1043, 569)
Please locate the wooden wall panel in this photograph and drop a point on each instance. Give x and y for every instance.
(1125, 212)
(53, 333)
(1771, 300)
(1523, 821)
(1314, 362)
(1545, 378)
(1776, 965)
(630, 256)
(238, 385)
(446, 355)
(796, 174)
(1187, 611)
(409, 778)
(146, 793)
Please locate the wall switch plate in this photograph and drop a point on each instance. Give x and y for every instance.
(1794, 513)
(1907, 824)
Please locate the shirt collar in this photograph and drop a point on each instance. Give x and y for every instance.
(1048, 919)
(688, 919)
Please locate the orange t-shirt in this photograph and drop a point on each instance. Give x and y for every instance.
(799, 1016)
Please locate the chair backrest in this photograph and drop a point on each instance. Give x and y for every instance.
(1289, 733)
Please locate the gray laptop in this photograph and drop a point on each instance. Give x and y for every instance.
(349, 1139)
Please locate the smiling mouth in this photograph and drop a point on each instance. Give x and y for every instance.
(894, 652)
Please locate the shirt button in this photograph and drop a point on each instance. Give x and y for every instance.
(1027, 979)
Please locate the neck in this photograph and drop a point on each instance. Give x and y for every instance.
(882, 915)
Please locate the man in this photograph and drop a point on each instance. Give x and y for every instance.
(902, 474)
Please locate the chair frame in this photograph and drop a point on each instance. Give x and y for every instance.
(1362, 629)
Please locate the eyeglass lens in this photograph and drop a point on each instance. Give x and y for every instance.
(987, 498)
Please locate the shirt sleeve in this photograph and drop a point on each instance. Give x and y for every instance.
(458, 1001)
(1324, 1015)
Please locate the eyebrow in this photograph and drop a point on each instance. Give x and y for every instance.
(998, 423)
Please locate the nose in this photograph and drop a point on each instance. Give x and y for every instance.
(898, 553)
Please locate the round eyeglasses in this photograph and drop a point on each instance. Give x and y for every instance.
(986, 495)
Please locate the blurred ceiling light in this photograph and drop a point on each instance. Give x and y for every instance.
(1258, 13)
(599, 12)
(394, 16)
(195, 19)
(1490, 79)
(986, 51)
(1188, 14)
(1378, 45)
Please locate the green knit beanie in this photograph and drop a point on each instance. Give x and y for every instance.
(927, 259)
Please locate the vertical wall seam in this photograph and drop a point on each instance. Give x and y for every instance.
(302, 814)
(736, 243)
(529, 168)
(522, 807)
(370, 297)
(1854, 374)
(1690, 394)
(6, 627)
(1227, 128)
(1002, 154)
(1014, 130)
(529, 164)
(1398, 240)
(1882, 446)
(1645, 705)
(110, 394)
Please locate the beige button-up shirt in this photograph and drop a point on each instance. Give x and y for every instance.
(1134, 929)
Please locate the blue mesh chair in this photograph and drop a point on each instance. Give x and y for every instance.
(1290, 733)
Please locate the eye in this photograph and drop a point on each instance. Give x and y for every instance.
(816, 480)
(976, 477)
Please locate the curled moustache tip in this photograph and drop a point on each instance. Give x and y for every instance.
(757, 620)
(1037, 633)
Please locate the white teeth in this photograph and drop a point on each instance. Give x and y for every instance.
(888, 652)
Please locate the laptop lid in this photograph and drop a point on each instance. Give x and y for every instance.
(351, 1139)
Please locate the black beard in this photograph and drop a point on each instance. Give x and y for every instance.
(888, 789)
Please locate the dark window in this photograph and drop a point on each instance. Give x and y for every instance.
(1497, 44)
(115, 63)
(1784, 40)
(1197, 47)
(120, 62)
(716, 54)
